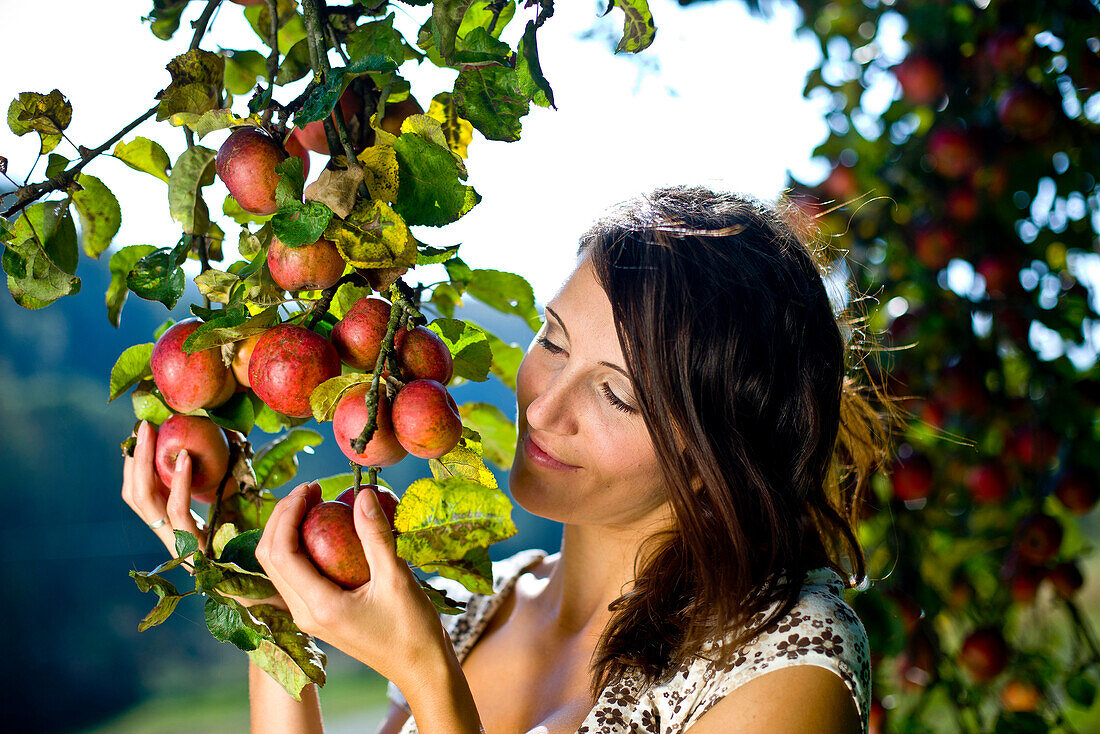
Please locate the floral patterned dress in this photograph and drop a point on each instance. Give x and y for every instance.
(821, 629)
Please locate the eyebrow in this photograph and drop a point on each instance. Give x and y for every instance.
(561, 323)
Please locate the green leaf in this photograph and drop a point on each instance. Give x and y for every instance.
(481, 49)
(1081, 689)
(444, 519)
(232, 209)
(45, 114)
(149, 407)
(463, 461)
(242, 68)
(481, 15)
(57, 163)
(40, 256)
(270, 421)
(300, 224)
(445, 298)
(213, 120)
(216, 285)
(165, 17)
(145, 155)
(168, 597)
(241, 550)
(506, 359)
(529, 72)
(186, 544)
(277, 462)
(474, 570)
(498, 432)
(447, 18)
(236, 325)
(325, 397)
(491, 99)
(638, 27)
(377, 38)
(290, 24)
(292, 658)
(468, 345)
(459, 274)
(194, 169)
(158, 275)
(196, 84)
(321, 101)
(100, 215)
(131, 367)
(506, 292)
(428, 255)
(373, 236)
(346, 296)
(431, 191)
(443, 604)
(236, 414)
(121, 263)
(294, 64)
(288, 191)
(225, 625)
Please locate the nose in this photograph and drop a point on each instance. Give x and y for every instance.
(554, 408)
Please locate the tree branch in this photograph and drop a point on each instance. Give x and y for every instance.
(273, 58)
(397, 310)
(28, 194)
(335, 129)
(202, 22)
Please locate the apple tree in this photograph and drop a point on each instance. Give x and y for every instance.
(312, 305)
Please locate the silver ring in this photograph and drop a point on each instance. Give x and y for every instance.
(159, 523)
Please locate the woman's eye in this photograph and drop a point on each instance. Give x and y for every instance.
(619, 404)
(549, 346)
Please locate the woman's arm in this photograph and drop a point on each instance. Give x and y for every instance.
(275, 712)
(387, 623)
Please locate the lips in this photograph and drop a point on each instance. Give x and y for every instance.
(542, 456)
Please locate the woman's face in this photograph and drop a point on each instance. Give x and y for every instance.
(583, 455)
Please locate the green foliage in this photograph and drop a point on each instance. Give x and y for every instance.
(196, 84)
(40, 256)
(469, 347)
(277, 462)
(431, 191)
(46, 114)
(100, 214)
(498, 433)
(143, 154)
(638, 28)
(158, 275)
(194, 170)
(131, 367)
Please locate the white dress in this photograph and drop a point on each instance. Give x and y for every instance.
(821, 629)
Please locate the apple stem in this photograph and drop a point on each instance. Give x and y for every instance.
(372, 475)
(321, 305)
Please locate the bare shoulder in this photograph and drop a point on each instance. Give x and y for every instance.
(799, 699)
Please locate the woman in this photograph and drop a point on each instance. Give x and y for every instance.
(685, 413)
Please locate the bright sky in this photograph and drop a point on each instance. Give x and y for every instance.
(716, 100)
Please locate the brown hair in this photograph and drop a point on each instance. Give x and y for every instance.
(765, 440)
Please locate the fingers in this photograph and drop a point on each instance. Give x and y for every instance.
(293, 574)
(374, 531)
(140, 481)
(179, 497)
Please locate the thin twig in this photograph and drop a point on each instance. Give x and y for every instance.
(202, 22)
(28, 194)
(215, 509)
(359, 444)
(320, 306)
(273, 57)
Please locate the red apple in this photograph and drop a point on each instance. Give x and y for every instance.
(246, 165)
(348, 421)
(312, 135)
(984, 654)
(287, 364)
(294, 147)
(962, 204)
(953, 153)
(242, 357)
(1001, 273)
(358, 336)
(1034, 448)
(207, 446)
(327, 535)
(1038, 538)
(1026, 112)
(912, 478)
(1024, 584)
(426, 419)
(397, 112)
(422, 354)
(987, 482)
(1019, 695)
(386, 498)
(1007, 51)
(310, 267)
(189, 381)
(935, 245)
(1066, 578)
(920, 78)
(1077, 490)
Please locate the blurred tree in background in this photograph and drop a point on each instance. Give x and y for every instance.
(963, 201)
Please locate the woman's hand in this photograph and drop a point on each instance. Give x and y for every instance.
(143, 491)
(388, 623)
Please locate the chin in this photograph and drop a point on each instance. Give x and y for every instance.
(535, 496)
